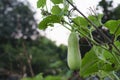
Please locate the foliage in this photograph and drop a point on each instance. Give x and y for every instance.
(22, 55)
(103, 58)
(114, 30)
(40, 77)
(22, 47)
(16, 23)
(17, 20)
(49, 20)
(46, 57)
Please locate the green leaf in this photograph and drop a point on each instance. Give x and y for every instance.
(66, 5)
(96, 19)
(49, 20)
(57, 1)
(80, 21)
(81, 24)
(56, 10)
(65, 8)
(100, 17)
(85, 31)
(117, 44)
(113, 25)
(97, 59)
(89, 64)
(41, 3)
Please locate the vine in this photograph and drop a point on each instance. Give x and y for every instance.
(103, 59)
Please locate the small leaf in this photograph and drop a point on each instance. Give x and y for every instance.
(113, 25)
(117, 44)
(82, 25)
(56, 10)
(100, 17)
(41, 3)
(96, 19)
(65, 8)
(49, 20)
(57, 1)
(80, 21)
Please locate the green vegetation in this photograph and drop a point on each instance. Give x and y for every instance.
(24, 52)
(20, 53)
(103, 59)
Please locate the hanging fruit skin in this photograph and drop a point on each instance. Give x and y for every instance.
(73, 56)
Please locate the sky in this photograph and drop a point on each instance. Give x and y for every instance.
(59, 34)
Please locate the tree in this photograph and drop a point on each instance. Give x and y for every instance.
(17, 20)
(22, 49)
(108, 10)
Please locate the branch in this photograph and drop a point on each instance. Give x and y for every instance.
(99, 31)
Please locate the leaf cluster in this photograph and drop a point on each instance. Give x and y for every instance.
(102, 59)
